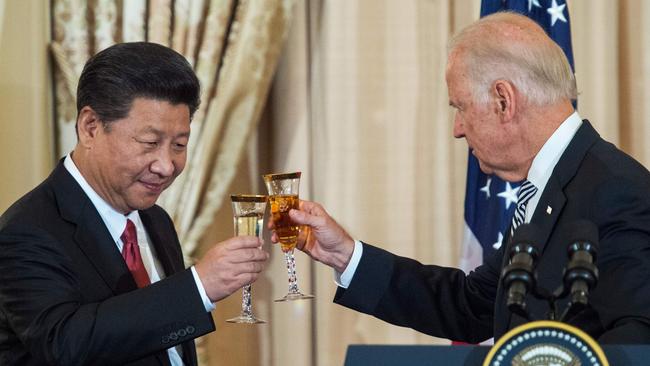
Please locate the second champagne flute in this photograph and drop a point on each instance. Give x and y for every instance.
(283, 196)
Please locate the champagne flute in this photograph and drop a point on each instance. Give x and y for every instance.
(248, 216)
(283, 196)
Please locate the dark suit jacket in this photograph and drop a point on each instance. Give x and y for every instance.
(67, 297)
(593, 180)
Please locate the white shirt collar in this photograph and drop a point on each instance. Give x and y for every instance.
(114, 220)
(548, 156)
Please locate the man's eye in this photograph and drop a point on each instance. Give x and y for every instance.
(180, 146)
(150, 143)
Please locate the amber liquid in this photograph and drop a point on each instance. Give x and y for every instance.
(286, 230)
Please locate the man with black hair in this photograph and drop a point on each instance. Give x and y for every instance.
(91, 270)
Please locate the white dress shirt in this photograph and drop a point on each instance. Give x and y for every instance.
(539, 174)
(115, 223)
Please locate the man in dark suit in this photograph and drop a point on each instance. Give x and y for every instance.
(91, 270)
(512, 88)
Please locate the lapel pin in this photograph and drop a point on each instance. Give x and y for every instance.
(549, 209)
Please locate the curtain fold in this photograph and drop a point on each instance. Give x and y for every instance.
(257, 35)
(634, 74)
(134, 20)
(217, 20)
(159, 22)
(70, 48)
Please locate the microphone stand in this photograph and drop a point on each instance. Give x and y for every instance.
(580, 275)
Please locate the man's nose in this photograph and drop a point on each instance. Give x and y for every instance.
(459, 129)
(164, 163)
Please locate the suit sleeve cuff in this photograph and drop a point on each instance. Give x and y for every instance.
(209, 306)
(344, 279)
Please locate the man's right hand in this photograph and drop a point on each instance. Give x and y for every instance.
(230, 265)
(321, 237)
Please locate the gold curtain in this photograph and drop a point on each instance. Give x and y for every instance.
(371, 100)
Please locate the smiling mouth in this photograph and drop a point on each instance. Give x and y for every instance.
(153, 187)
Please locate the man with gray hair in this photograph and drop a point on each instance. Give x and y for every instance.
(512, 89)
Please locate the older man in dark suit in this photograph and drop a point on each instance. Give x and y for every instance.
(512, 88)
(91, 270)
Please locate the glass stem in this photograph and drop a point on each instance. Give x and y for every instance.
(291, 271)
(246, 307)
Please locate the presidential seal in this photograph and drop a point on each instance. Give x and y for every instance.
(546, 343)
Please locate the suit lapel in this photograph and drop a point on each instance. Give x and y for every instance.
(553, 199)
(91, 234)
(95, 241)
(548, 210)
(162, 242)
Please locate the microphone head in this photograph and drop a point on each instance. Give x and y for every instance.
(525, 238)
(583, 235)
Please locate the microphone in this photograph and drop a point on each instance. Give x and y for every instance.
(519, 276)
(581, 274)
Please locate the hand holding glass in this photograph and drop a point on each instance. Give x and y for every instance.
(283, 196)
(248, 217)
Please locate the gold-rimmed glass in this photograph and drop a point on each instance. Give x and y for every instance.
(283, 196)
(248, 217)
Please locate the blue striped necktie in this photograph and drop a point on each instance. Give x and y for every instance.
(526, 191)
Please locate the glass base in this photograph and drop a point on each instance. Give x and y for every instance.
(294, 296)
(242, 319)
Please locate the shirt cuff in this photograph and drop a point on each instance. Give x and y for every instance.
(344, 279)
(209, 306)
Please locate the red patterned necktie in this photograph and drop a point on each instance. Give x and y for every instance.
(131, 254)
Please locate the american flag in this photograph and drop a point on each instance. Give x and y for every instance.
(489, 201)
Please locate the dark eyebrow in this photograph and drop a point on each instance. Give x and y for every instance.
(159, 133)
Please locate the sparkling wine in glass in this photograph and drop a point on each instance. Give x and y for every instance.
(283, 196)
(248, 216)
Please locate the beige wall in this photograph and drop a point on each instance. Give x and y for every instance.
(25, 107)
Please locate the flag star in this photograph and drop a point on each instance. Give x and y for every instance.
(557, 12)
(486, 188)
(531, 3)
(497, 245)
(510, 195)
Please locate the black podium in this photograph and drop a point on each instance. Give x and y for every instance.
(383, 355)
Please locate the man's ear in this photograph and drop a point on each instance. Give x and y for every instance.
(88, 126)
(505, 99)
